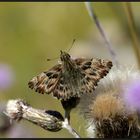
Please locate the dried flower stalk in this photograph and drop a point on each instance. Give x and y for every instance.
(47, 119)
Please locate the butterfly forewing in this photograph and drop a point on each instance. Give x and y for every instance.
(46, 81)
(94, 70)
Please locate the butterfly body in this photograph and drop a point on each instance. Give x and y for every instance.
(73, 81)
(72, 77)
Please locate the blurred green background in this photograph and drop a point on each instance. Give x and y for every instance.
(31, 32)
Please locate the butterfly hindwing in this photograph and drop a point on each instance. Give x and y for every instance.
(46, 81)
(63, 90)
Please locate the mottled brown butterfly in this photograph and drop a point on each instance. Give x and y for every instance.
(72, 77)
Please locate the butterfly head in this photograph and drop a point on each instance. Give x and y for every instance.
(66, 61)
(64, 56)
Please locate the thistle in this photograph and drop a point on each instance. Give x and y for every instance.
(107, 112)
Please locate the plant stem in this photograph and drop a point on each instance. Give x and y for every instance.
(102, 32)
(132, 29)
(70, 129)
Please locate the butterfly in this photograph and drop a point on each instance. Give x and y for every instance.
(71, 77)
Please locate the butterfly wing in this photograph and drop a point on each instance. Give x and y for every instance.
(46, 81)
(62, 90)
(93, 70)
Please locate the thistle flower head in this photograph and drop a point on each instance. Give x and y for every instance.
(111, 120)
(106, 105)
(132, 94)
(108, 110)
(6, 76)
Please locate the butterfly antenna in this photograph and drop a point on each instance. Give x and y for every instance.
(48, 59)
(72, 44)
